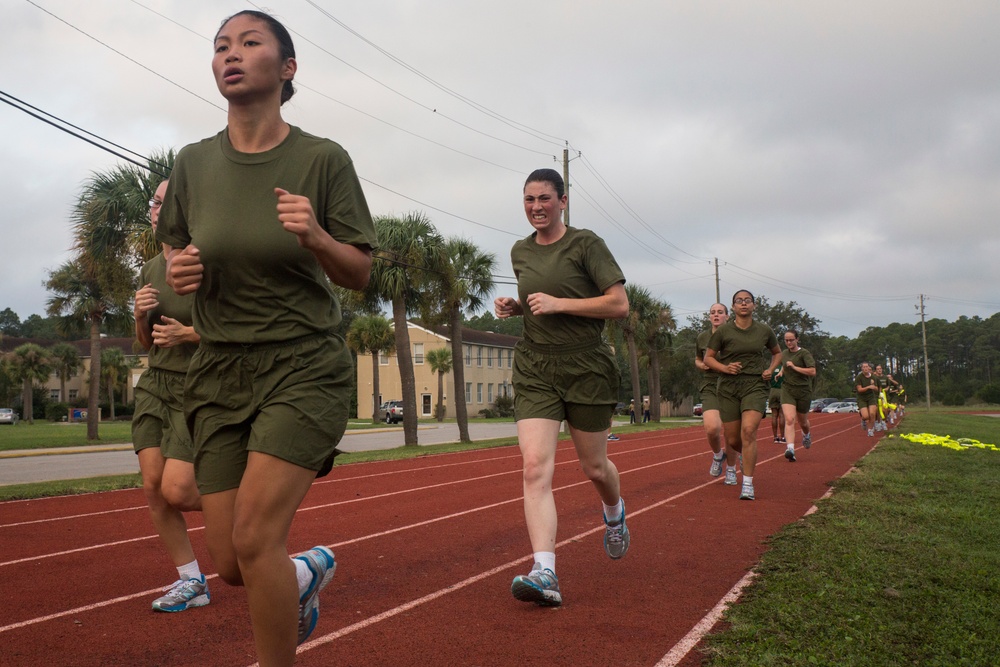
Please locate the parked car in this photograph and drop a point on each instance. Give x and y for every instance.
(841, 406)
(818, 404)
(697, 410)
(8, 416)
(393, 412)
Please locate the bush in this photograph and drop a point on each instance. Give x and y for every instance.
(504, 406)
(55, 412)
(989, 393)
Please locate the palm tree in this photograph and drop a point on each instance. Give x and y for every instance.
(639, 300)
(372, 334)
(408, 249)
(465, 285)
(114, 368)
(66, 360)
(31, 364)
(440, 360)
(658, 330)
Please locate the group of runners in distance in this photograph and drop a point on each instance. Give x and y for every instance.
(738, 386)
(248, 388)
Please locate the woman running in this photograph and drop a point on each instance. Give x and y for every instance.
(261, 218)
(735, 351)
(867, 389)
(798, 368)
(568, 284)
(718, 315)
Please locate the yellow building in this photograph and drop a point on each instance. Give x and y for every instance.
(488, 361)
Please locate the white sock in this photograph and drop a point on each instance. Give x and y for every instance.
(729, 467)
(547, 559)
(614, 512)
(719, 456)
(189, 571)
(303, 575)
(791, 445)
(747, 481)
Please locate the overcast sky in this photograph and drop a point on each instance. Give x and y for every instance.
(842, 155)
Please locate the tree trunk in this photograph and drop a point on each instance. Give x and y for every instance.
(376, 412)
(458, 367)
(62, 385)
(654, 383)
(93, 402)
(27, 402)
(439, 410)
(633, 365)
(406, 379)
(111, 398)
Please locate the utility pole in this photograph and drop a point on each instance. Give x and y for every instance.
(566, 181)
(718, 297)
(927, 370)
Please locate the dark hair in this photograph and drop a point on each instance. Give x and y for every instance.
(724, 307)
(548, 176)
(744, 290)
(280, 33)
(793, 332)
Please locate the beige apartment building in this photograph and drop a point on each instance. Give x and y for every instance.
(488, 360)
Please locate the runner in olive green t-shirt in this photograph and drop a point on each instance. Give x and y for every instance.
(736, 350)
(884, 383)
(798, 368)
(774, 405)
(718, 315)
(261, 218)
(568, 283)
(867, 389)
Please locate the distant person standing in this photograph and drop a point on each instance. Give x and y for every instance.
(159, 433)
(774, 405)
(735, 351)
(708, 387)
(867, 390)
(631, 411)
(645, 410)
(798, 368)
(568, 284)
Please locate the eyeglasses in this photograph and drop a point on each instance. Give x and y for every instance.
(155, 203)
(745, 300)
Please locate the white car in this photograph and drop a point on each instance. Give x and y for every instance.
(842, 406)
(8, 416)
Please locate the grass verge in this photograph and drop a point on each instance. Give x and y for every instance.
(901, 566)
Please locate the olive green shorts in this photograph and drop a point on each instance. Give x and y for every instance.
(867, 400)
(800, 397)
(709, 391)
(774, 399)
(289, 400)
(158, 420)
(578, 383)
(739, 393)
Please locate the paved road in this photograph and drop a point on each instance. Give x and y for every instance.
(44, 465)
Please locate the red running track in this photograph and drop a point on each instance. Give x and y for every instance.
(426, 550)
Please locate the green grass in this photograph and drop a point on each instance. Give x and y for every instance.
(44, 434)
(901, 566)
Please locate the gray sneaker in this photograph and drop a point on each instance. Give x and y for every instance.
(746, 493)
(540, 586)
(807, 440)
(320, 562)
(183, 594)
(717, 465)
(616, 537)
(790, 455)
(730, 476)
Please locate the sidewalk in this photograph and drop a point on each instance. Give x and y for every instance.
(25, 466)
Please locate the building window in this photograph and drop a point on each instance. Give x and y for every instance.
(53, 394)
(468, 355)
(383, 358)
(489, 358)
(73, 394)
(510, 358)
(418, 354)
(489, 393)
(468, 392)
(479, 356)
(479, 392)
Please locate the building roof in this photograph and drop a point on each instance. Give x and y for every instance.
(475, 336)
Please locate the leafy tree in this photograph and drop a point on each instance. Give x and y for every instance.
(10, 322)
(440, 361)
(66, 361)
(45, 328)
(512, 326)
(409, 250)
(114, 370)
(658, 332)
(372, 334)
(632, 326)
(30, 365)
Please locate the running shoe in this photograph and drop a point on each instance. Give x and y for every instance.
(612, 437)
(777, 439)
(183, 594)
(717, 465)
(871, 432)
(807, 440)
(782, 440)
(616, 537)
(730, 476)
(746, 493)
(320, 562)
(864, 425)
(790, 455)
(540, 586)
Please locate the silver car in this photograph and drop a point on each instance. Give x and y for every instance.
(8, 416)
(841, 406)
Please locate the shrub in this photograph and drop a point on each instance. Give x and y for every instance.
(55, 412)
(989, 393)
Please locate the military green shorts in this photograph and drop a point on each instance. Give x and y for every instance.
(158, 420)
(867, 400)
(289, 400)
(800, 397)
(774, 399)
(578, 383)
(739, 393)
(709, 391)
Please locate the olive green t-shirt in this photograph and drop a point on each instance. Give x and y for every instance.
(801, 358)
(172, 305)
(707, 376)
(746, 346)
(577, 266)
(259, 286)
(881, 381)
(864, 381)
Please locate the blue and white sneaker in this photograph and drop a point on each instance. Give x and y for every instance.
(616, 536)
(540, 586)
(730, 476)
(717, 465)
(183, 594)
(320, 562)
(746, 493)
(807, 440)
(790, 455)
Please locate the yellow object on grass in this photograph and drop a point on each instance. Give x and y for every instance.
(947, 441)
